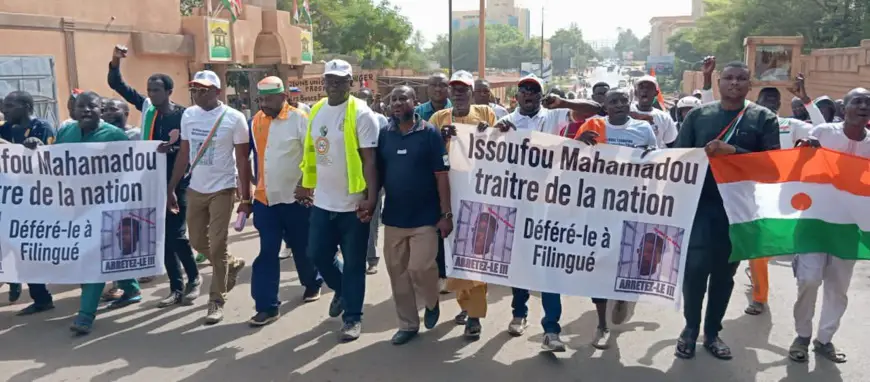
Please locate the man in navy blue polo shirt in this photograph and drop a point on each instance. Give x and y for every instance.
(413, 165)
(22, 127)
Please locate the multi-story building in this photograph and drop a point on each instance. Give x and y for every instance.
(662, 28)
(503, 12)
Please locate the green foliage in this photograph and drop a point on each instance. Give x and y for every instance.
(377, 34)
(505, 48)
(186, 6)
(642, 51)
(626, 42)
(567, 43)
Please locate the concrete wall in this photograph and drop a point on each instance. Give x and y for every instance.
(831, 72)
(160, 16)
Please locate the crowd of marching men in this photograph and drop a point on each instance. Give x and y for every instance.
(320, 179)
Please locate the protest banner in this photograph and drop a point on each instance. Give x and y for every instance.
(545, 213)
(82, 213)
(313, 91)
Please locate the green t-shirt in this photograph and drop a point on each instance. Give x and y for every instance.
(105, 132)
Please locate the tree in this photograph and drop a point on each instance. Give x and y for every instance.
(567, 44)
(186, 6)
(642, 51)
(626, 42)
(378, 35)
(505, 48)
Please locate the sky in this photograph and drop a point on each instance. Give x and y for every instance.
(597, 19)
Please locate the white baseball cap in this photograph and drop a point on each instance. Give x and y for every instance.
(531, 78)
(339, 68)
(688, 102)
(462, 77)
(206, 78)
(647, 79)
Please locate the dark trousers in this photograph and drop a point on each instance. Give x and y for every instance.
(277, 223)
(552, 303)
(327, 231)
(178, 252)
(38, 293)
(440, 260)
(702, 265)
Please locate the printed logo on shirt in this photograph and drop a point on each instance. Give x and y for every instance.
(446, 159)
(322, 145)
(323, 130)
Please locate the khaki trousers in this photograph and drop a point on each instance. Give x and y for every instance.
(208, 220)
(410, 256)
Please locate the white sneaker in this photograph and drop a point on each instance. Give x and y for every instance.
(552, 343)
(601, 340)
(442, 286)
(517, 326)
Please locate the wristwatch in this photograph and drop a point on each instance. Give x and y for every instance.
(447, 215)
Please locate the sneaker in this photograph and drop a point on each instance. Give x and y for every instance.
(601, 340)
(174, 298)
(215, 313)
(430, 317)
(14, 292)
(372, 269)
(126, 300)
(191, 291)
(442, 286)
(461, 318)
(35, 308)
(553, 343)
(82, 325)
(264, 318)
(233, 274)
(113, 294)
(473, 328)
(350, 331)
(285, 254)
(201, 258)
(311, 295)
(403, 336)
(517, 326)
(336, 308)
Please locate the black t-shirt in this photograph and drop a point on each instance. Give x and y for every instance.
(37, 128)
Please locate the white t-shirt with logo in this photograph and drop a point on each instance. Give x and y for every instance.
(663, 125)
(634, 133)
(831, 136)
(216, 170)
(327, 133)
(791, 130)
(550, 121)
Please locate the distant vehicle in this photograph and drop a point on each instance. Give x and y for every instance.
(623, 83)
(610, 68)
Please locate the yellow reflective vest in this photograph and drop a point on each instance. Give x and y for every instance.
(356, 182)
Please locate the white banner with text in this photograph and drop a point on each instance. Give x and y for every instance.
(545, 213)
(82, 213)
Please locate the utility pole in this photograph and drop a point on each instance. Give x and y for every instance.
(542, 43)
(481, 41)
(450, 37)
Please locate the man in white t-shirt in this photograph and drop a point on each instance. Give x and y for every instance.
(215, 142)
(339, 176)
(812, 270)
(646, 89)
(552, 119)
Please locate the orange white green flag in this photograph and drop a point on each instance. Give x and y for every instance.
(796, 201)
(235, 8)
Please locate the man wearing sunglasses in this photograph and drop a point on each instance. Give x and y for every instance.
(215, 143)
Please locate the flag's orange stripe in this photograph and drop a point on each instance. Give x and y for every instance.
(597, 125)
(845, 172)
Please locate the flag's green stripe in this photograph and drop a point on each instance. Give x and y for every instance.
(775, 237)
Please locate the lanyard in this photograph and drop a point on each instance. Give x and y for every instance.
(731, 129)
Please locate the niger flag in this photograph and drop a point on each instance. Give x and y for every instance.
(598, 125)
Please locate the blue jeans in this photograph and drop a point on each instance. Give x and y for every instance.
(327, 231)
(277, 223)
(552, 303)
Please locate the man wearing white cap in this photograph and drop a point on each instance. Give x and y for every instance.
(646, 89)
(340, 178)
(277, 132)
(215, 143)
(553, 118)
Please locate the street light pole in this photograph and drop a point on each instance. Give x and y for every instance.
(450, 37)
(542, 43)
(481, 41)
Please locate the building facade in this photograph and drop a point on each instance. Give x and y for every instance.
(51, 47)
(662, 28)
(504, 12)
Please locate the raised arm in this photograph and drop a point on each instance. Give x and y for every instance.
(116, 82)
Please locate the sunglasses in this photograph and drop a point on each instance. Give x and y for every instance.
(198, 90)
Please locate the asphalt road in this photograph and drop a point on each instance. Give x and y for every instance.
(143, 343)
